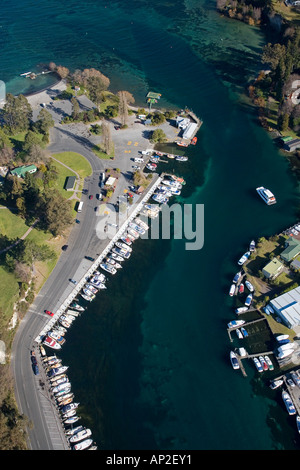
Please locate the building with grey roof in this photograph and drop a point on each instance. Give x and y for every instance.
(287, 307)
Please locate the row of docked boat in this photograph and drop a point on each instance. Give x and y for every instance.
(79, 437)
(170, 186)
(155, 158)
(263, 363)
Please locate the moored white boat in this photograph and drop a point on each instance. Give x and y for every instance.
(239, 333)
(241, 310)
(252, 245)
(83, 445)
(288, 403)
(248, 300)
(276, 383)
(77, 306)
(108, 267)
(244, 258)
(89, 298)
(51, 343)
(80, 435)
(263, 362)
(232, 290)
(71, 420)
(269, 362)
(234, 360)
(249, 286)
(257, 364)
(298, 423)
(237, 277)
(235, 323)
(266, 195)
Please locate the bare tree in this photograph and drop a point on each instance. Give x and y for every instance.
(124, 99)
(106, 138)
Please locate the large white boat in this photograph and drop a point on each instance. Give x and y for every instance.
(266, 195)
(234, 360)
(77, 306)
(241, 310)
(124, 246)
(116, 257)
(120, 251)
(288, 403)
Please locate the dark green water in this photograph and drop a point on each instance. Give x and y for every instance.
(149, 360)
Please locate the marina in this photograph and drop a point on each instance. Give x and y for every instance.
(53, 335)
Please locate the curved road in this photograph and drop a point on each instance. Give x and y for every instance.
(32, 391)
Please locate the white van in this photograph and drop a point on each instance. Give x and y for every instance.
(139, 160)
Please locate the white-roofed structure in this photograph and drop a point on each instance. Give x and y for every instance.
(287, 306)
(189, 131)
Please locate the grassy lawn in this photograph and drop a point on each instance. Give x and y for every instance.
(9, 295)
(11, 225)
(75, 161)
(98, 151)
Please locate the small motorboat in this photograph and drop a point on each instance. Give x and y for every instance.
(252, 246)
(288, 403)
(241, 310)
(269, 362)
(232, 290)
(51, 343)
(235, 323)
(239, 334)
(263, 363)
(194, 141)
(83, 445)
(248, 300)
(80, 435)
(298, 423)
(249, 286)
(257, 364)
(244, 332)
(182, 144)
(244, 258)
(241, 288)
(275, 384)
(234, 360)
(237, 277)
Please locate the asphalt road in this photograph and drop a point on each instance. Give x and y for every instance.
(32, 394)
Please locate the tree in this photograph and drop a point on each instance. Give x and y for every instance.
(17, 113)
(106, 138)
(95, 87)
(55, 212)
(158, 136)
(63, 72)
(31, 138)
(76, 108)
(44, 121)
(124, 99)
(272, 54)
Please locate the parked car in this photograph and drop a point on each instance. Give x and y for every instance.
(73, 281)
(35, 369)
(91, 196)
(65, 247)
(49, 313)
(89, 258)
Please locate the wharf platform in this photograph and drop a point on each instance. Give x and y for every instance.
(195, 119)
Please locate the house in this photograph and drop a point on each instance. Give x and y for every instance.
(21, 171)
(272, 269)
(292, 249)
(69, 184)
(295, 265)
(291, 145)
(287, 307)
